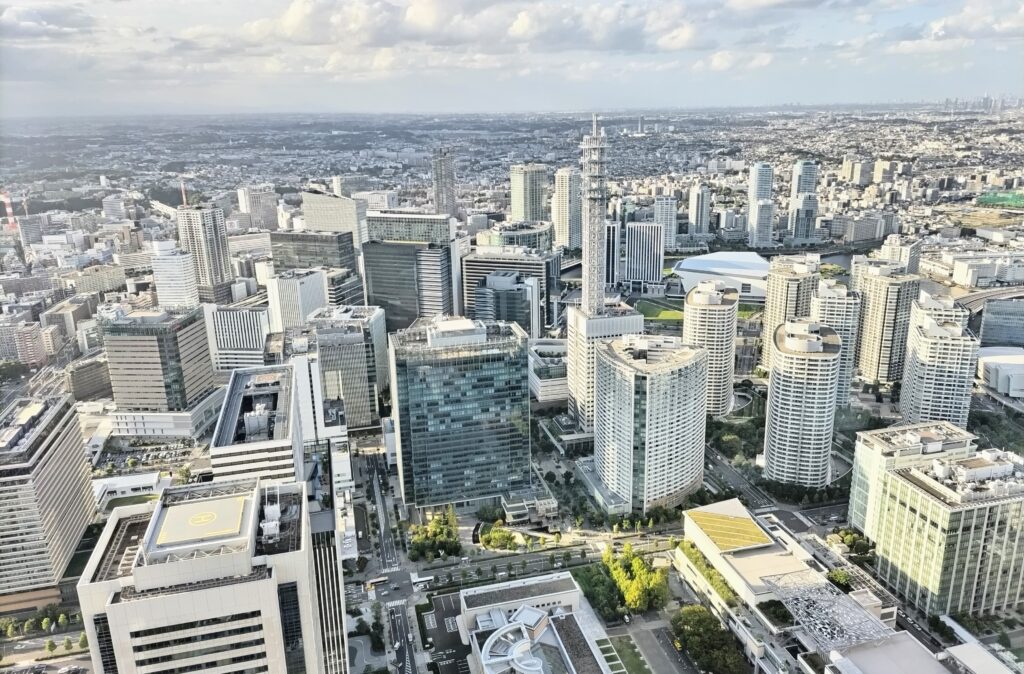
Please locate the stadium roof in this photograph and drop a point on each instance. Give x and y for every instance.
(742, 264)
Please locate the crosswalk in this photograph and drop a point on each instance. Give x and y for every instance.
(390, 569)
(395, 603)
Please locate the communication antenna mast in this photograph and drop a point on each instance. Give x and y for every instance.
(184, 195)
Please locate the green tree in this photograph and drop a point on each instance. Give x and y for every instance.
(566, 557)
(68, 644)
(83, 641)
(840, 578)
(550, 477)
(62, 621)
(551, 560)
(29, 626)
(558, 538)
(12, 631)
(50, 646)
(131, 462)
(45, 625)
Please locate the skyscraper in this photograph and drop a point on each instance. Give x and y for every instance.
(236, 336)
(260, 202)
(174, 275)
(529, 191)
(510, 297)
(760, 205)
(353, 348)
(293, 295)
(47, 499)
(645, 252)
(567, 208)
(805, 178)
(887, 293)
(834, 305)
(700, 209)
(650, 419)
(443, 165)
(801, 408)
(159, 361)
(1002, 323)
(461, 405)
(942, 356)
(302, 250)
(665, 211)
(593, 321)
(330, 213)
(544, 266)
(709, 321)
(202, 232)
(792, 280)
(903, 250)
(803, 213)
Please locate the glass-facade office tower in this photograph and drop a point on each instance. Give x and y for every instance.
(302, 250)
(1002, 323)
(461, 404)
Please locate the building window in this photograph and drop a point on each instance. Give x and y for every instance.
(291, 627)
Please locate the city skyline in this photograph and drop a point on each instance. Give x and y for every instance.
(428, 56)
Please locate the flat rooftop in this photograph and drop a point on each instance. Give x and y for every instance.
(519, 590)
(926, 437)
(22, 423)
(201, 521)
(900, 652)
(256, 406)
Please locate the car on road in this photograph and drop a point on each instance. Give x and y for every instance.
(398, 645)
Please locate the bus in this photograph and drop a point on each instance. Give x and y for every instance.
(420, 582)
(373, 582)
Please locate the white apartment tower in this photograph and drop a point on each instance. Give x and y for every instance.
(645, 252)
(887, 293)
(792, 280)
(650, 419)
(593, 321)
(260, 202)
(202, 232)
(902, 250)
(942, 356)
(760, 205)
(801, 403)
(529, 192)
(836, 306)
(803, 200)
(174, 274)
(443, 167)
(567, 208)
(700, 209)
(665, 210)
(709, 320)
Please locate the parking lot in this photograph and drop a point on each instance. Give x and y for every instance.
(449, 652)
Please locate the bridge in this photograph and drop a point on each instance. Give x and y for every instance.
(975, 302)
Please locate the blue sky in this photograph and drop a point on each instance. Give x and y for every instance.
(202, 56)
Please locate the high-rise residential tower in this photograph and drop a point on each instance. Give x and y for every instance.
(803, 200)
(902, 250)
(593, 321)
(260, 202)
(942, 356)
(836, 306)
(760, 205)
(792, 280)
(650, 419)
(461, 406)
(709, 321)
(665, 214)
(801, 406)
(202, 232)
(567, 208)
(529, 192)
(700, 209)
(887, 293)
(443, 165)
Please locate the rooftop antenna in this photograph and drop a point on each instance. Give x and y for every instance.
(184, 196)
(595, 124)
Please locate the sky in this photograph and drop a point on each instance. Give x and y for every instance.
(112, 57)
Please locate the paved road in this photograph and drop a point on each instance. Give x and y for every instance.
(389, 558)
(752, 495)
(402, 637)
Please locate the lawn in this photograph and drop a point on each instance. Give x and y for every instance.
(657, 312)
(130, 500)
(748, 310)
(630, 655)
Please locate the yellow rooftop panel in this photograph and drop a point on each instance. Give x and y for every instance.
(729, 532)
